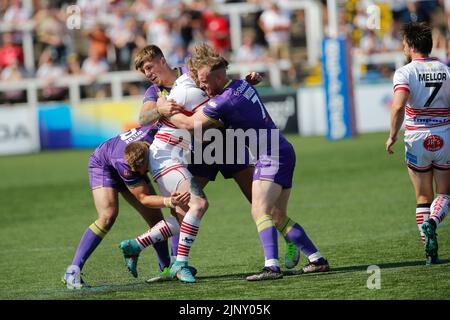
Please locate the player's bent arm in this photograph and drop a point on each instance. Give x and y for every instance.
(142, 192)
(149, 113)
(398, 112)
(198, 119)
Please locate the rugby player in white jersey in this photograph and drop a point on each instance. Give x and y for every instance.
(422, 96)
(168, 159)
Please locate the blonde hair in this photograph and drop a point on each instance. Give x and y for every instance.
(147, 53)
(204, 55)
(136, 154)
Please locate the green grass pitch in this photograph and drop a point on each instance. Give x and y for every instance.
(354, 201)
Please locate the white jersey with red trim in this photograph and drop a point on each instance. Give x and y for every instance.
(428, 82)
(172, 146)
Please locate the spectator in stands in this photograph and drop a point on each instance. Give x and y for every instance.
(217, 31)
(16, 14)
(249, 51)
(91, 10)
(167, 8)
(161, 32)
(99, 41)
(73, 64)
(51, 31)
(178, 56)
(123, 40)
(49, 71)
(93, 66)
(142, 8)
(13, 72)
(370, 43)
(189, 24)
(391, 40)
(9, 52)
(276, 25)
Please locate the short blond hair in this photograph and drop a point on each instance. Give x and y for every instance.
(136, 154)
(147, 53)
(204, 55)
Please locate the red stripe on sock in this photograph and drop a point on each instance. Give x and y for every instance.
(189, 229)
(169, 232)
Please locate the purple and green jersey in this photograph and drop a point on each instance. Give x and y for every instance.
(107, 165)
(240, 107)
(154, 92)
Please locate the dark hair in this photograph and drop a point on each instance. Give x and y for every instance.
(418, 35)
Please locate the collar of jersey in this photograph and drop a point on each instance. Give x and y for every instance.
(425, 59)
(178, 75)
(227, 84)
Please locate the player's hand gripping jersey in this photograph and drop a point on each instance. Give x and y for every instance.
(172, 145)
(427, 113)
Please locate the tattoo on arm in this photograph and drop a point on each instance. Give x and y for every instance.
(148, 117)
(196, 190)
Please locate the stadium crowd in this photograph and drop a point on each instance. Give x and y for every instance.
(112, 31)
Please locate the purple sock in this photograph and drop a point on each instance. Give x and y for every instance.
(162, 250)
(298, 236)
(269, 241)
(87, 245)
(175, 240)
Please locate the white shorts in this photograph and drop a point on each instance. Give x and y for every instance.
(427, 149)
(163, 156)
(170, 179)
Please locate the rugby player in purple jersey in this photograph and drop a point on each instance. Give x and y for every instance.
(237, 105)
(109, 175)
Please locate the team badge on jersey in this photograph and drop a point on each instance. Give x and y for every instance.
(433, 143)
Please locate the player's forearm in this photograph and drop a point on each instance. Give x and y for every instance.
(155, 202)
(182, 122)
(397, 117)
(148, 116)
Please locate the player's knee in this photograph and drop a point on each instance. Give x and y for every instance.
(107, 221)
(199, 205)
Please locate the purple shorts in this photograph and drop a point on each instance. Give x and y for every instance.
(210, 171)
(104, 175)
(277, 169)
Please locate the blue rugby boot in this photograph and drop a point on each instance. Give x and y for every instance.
(183, 272)
(131, 250)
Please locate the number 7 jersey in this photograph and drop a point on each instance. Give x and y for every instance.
(428, 82)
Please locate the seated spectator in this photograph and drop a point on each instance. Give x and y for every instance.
(49, 71)
(73, 64)
(99, 41)
(9, 51)
(13, 72)
(249, 51)
(51, 31)
(124, 43)
(391, 40)
(93, 66)
(16, 14)
(370, 43)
